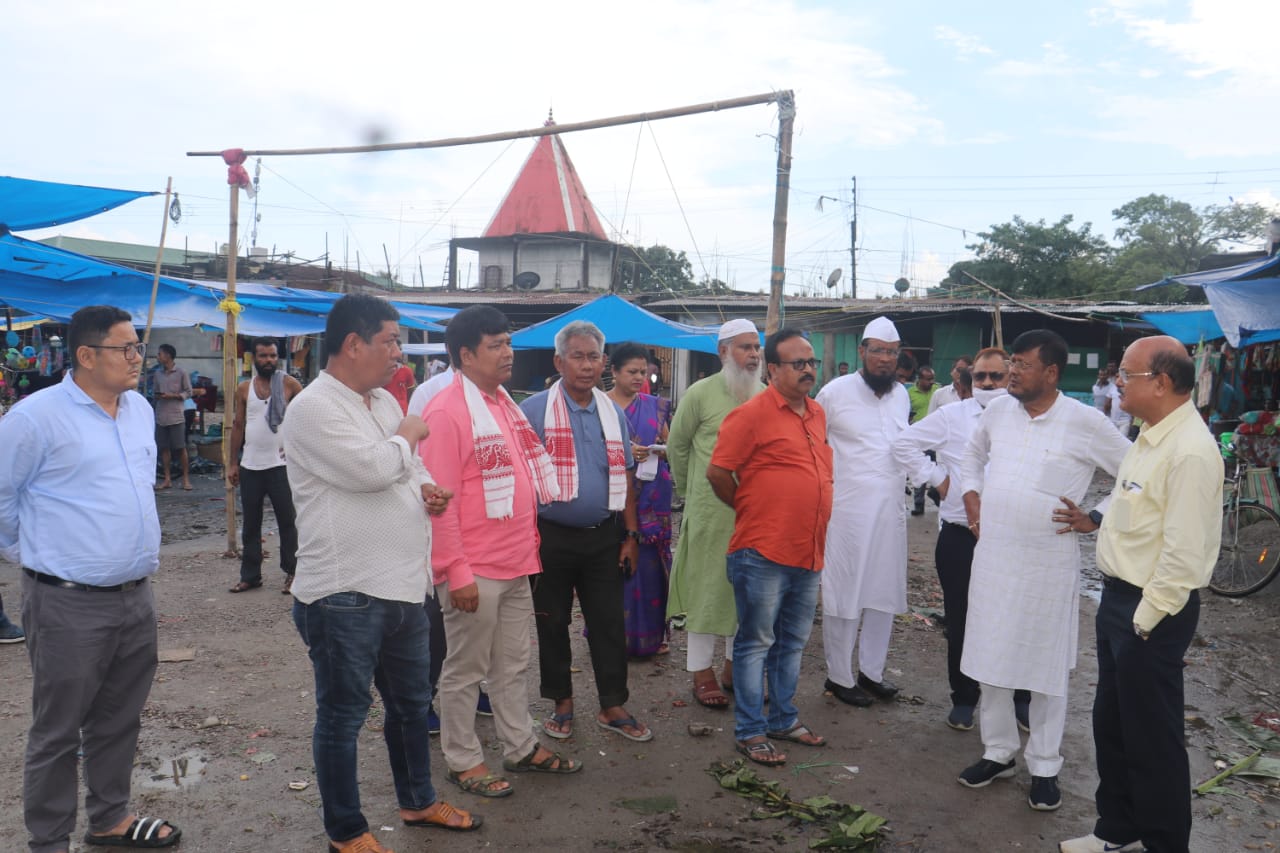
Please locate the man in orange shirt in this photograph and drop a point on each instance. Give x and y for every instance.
(772, 464)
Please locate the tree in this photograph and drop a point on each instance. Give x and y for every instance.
(1160, 236)
(1032, 259)
(655, 269)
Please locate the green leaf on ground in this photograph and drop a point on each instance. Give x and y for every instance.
(847, 827)
(650, 805)
(1256, 736)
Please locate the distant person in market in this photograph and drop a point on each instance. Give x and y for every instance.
(649, 418)
(172, 388)
(78, 513)
(700, 590)
(956, 390)
(257, 464)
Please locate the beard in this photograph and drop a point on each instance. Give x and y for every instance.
(881, 385)
(742, 382)
(264, 370)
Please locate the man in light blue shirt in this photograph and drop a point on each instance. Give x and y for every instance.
(78, 513)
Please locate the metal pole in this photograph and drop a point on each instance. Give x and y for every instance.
(155, 278)
(778, 273)
(853, 244)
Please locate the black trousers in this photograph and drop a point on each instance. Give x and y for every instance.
(1144, 777)
(439, 643)
(582, 561)
(953, 557)
(270, 483)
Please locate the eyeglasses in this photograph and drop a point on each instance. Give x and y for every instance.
(883, 352)
(1125, 375)
(1021, 365)
(984, 375)
(138, 349)
(802, 363)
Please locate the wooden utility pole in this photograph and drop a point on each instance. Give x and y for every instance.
(778, 272)
(230, 371)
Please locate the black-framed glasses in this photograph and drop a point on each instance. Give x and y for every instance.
(984, 375)
(802, 363)
(138, 348)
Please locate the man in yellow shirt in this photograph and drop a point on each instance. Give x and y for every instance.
(1157, 547)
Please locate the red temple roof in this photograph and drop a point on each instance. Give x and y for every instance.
(547, 197)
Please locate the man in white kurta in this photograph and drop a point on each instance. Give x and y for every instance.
(865, 581)
(1031, 452)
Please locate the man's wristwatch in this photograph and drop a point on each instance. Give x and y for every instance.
(1095, 517)
(633, 534)
(1141, 632)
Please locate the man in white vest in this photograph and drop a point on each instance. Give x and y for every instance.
(865, 581)
(1032, 453)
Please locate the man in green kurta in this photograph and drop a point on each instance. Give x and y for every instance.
(700, 589)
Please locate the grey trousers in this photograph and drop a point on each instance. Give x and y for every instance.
(93, 658)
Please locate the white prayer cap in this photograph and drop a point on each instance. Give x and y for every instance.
(881, 329)
(733, 328)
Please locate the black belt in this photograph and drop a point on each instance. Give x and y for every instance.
(52, 580)
(610, 520)
(956, 524)
(1116, 585)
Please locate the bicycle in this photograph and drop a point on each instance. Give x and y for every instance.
(1249, 558)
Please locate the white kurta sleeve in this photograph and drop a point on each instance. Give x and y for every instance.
(974, 465)
(1107, 448)
(930, 433)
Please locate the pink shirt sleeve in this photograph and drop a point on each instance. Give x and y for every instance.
(445, 453)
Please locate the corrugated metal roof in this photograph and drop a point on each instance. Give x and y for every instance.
(547, 197)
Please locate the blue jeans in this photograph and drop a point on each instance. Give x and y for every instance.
(776, 604)
(352, 639)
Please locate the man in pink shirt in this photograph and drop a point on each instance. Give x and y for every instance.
(483, 549)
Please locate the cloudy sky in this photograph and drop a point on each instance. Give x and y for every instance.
(950, 120)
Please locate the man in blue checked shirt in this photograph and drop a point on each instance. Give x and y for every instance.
(78, 513)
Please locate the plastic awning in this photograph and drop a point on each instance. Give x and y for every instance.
(27, 204)
(1245, 299)
(1188, 327)
(620, 321)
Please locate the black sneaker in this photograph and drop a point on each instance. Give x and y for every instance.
(849, 695)
(985, 772)
(1044, 796)
(961, 718)
(883, 689)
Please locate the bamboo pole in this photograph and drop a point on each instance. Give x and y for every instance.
(778, 273)
(634, 118)
(155, 277)
(230, 373)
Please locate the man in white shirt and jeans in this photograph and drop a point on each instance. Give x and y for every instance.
(364, 538)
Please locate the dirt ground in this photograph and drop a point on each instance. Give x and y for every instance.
(227, 732)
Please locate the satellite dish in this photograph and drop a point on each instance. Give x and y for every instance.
(902, 285)
(834, 277)
(527, 280)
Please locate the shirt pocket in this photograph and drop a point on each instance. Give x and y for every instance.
(1131, 511)
(1054, 476)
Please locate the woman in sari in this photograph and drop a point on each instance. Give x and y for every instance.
(645, 591)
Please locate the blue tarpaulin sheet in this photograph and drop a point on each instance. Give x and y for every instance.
(1245, 298)
(1189, 328)
(27, 204)
(620, 321)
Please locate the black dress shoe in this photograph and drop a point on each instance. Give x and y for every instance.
(885, 689)
(849, 695)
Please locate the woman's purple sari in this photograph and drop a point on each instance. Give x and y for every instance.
(645, 592)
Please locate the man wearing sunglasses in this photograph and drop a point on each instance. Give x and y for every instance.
(88, 540)
(865, 583)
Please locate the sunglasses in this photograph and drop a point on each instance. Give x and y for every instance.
(984, 375)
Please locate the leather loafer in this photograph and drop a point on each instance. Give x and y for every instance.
(885, 689)
(849, 695)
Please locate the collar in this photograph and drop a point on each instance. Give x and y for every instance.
(78, 395)
(1153, 434)
(781, 402)
(573, 404)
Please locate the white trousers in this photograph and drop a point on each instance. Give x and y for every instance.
(702, 650)
(490, 645)
(999, 727)
(839, 636)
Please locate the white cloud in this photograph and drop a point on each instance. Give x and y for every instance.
(967, 46)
